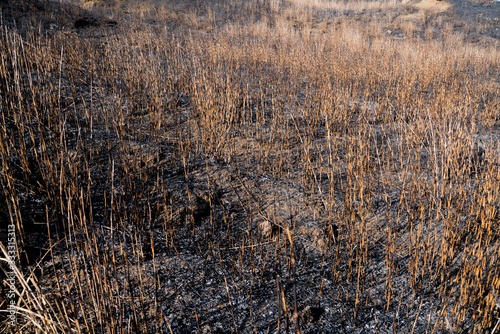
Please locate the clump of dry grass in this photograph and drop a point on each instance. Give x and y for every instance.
(144, 153)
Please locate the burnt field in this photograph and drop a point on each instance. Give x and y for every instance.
(250, 166)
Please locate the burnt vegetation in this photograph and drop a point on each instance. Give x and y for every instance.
(251, 166)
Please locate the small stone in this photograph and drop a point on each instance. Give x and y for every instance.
(266, 228)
